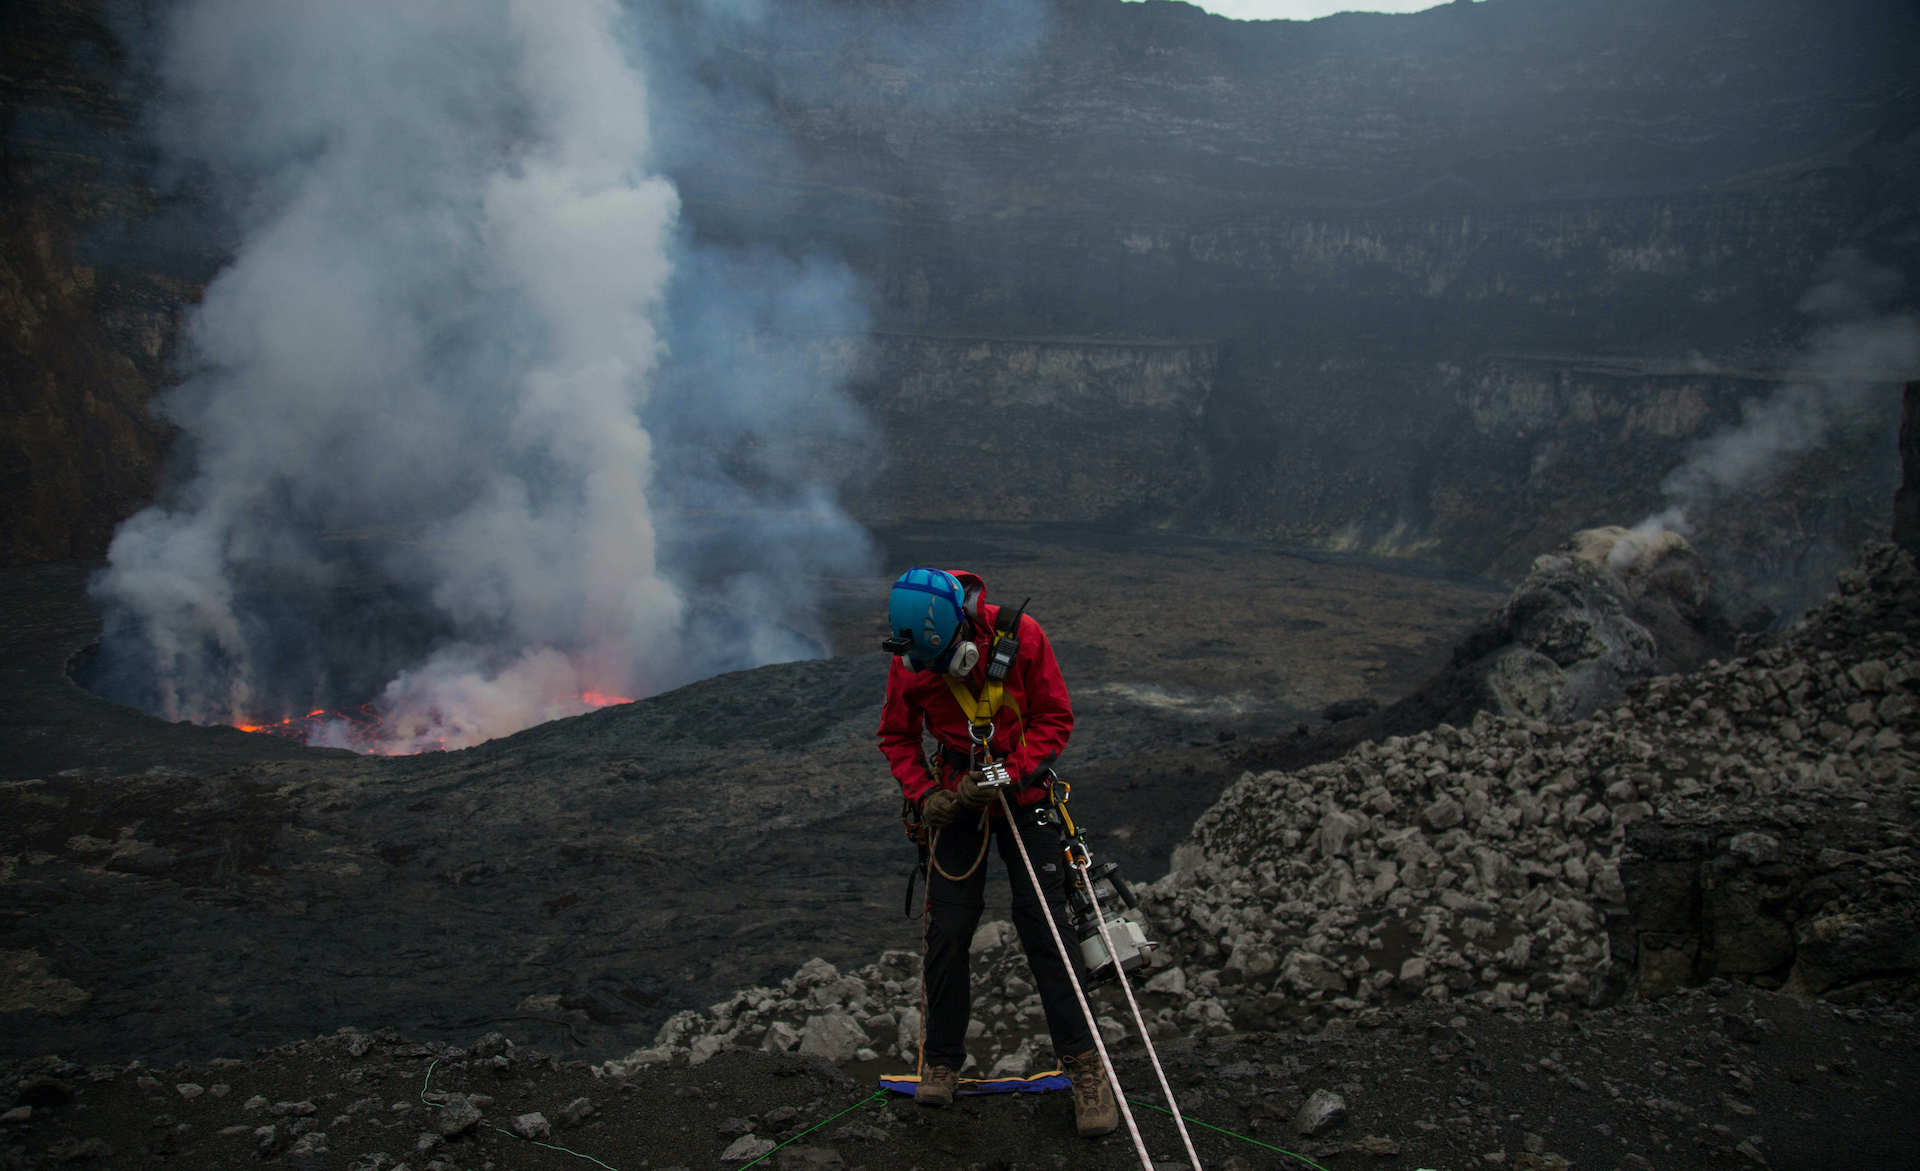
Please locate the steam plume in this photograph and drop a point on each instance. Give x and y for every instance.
(1862, 341)
(424, 426)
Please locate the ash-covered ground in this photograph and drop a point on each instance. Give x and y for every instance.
(435, 940)
(177, 892)
(1719, 1077)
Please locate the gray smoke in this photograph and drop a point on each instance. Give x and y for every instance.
(472, 428)
(1862, 342)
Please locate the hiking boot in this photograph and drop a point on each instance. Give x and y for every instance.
(937, 1086)
(1094, 1111)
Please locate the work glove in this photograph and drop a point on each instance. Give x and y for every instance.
(971, 795)
(939, 809)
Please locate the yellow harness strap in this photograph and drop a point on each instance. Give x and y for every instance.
(980, 709)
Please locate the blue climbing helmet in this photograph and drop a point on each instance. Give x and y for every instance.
(925, 615)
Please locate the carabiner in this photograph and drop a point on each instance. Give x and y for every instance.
(982, 744)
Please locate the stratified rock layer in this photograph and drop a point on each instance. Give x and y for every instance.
(1906, 501)
(1449, 284)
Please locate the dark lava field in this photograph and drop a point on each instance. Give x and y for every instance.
(180, 893)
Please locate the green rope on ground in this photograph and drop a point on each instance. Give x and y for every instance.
(878, 1095)
(490, 1126)
(1233, 1134)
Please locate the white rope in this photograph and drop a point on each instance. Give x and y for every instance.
(1138, 1019)
(1139, 1144)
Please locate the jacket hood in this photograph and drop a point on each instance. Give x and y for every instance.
(973, 586)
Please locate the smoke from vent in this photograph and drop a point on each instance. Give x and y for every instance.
(1862, 342)
(471, 428)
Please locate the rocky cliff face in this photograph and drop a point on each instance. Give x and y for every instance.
(1472, 279)
(1037, 428)
(86, 319)
(1906, 502)
(1449, 285)
(78, 447)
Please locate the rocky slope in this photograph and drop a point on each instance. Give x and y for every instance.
(591, 876)
(1751, 820)
(1451, 949)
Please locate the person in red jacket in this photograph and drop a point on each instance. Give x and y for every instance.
(944, 686)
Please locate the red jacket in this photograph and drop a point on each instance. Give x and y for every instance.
(1029, 731)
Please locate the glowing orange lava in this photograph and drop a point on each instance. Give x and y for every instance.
(366, 730)
(366, 724)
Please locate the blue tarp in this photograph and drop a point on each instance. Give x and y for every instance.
(1033, 1083)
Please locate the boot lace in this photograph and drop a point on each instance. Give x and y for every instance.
(1089, 1080)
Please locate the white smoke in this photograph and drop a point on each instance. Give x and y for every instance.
(1862, 344)
(418, 465)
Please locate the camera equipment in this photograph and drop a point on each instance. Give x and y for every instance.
(1116, 899)
(959, 660)
(1091, 886)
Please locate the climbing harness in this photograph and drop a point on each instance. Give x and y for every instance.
(981, 711)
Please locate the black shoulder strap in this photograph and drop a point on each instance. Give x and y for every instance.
(1000, 656)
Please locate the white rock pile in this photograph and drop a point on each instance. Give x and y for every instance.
(1477, 864)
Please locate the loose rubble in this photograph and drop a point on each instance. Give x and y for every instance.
(1384, 958)
(1508, 864)
(1723, 1076)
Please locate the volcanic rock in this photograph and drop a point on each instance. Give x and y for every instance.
(1322, 1110)
(1524, 866)
(532, 1126)
(458, 1115)
(1609, 608)
(747, 1148)
(1906, 499)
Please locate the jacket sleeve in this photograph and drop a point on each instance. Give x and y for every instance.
(901, 722)
(1046, 710)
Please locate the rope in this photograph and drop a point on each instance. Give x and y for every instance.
(1139, 1144)
(1243, 1138)
(933, 855)
(875, 1097)
(1138, 1018)
(510, 1134)
(926, 929)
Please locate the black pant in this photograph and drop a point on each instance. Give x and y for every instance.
(955, 912)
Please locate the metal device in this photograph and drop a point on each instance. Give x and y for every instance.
(1117, 905)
